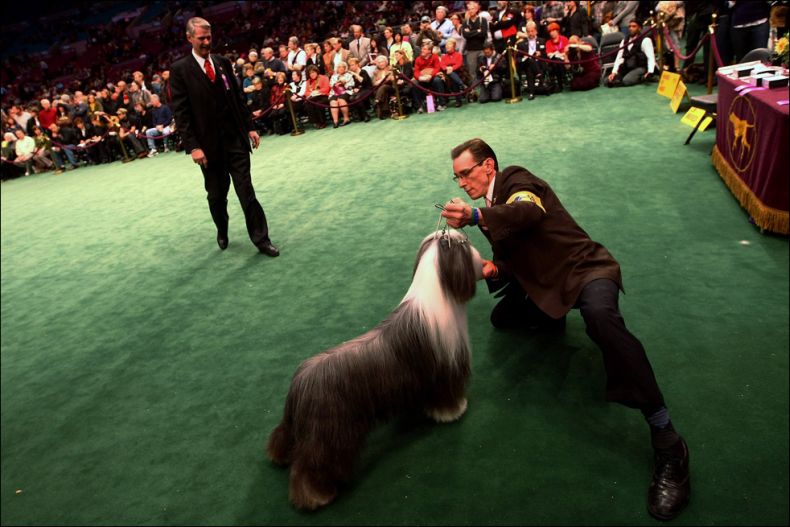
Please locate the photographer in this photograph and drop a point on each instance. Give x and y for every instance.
(491, 73)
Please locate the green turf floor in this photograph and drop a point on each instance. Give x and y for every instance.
(143, 369)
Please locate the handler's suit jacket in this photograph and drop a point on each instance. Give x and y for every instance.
(537, 243)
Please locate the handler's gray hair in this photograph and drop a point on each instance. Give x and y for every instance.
(196, 21)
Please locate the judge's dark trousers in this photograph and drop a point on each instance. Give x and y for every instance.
(234, 164)
(629, 376)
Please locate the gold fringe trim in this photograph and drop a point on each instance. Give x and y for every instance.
(765, 217)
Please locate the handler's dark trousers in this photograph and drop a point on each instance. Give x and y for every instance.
(235, 165)
(629, 376)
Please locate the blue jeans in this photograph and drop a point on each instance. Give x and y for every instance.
(434, 85)
(153, 132)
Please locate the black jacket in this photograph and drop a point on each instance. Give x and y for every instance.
(195, 105)
(538, 244)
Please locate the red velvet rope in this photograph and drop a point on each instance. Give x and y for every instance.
(671, 45)
(451, 94)
(348, 103)
(597, 57)
(715, 47)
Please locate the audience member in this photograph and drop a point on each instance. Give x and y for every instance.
(341, 84)
(442, 26)
(162, 121)
(557, 50)
(360, 46)
(587, 73)
(363, 85)
(490, 70)
(475, 31)
(400, 44)
(317, 92)
(504, 26)
(528, 65)
(297, 57)
(426, 73)
(576, 20)
(382, 84)
(636, 59)
(452, 64)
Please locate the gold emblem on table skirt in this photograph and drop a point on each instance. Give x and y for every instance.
(741, 133)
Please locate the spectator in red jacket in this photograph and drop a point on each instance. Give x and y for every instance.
(452, 65)
(47, 114)
(426, 72)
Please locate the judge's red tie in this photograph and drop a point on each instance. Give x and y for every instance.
(209, 70)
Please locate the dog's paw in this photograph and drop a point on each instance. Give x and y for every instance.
(444, 415)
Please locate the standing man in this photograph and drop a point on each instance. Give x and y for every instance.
(546, 265)
(475, 31)
(216, 130)
(359, 47)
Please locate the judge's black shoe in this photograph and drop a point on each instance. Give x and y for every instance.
(222, 241)
(531, 97)
(670, 489)
(267, 248)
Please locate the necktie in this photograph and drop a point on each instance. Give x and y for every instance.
(209, 70)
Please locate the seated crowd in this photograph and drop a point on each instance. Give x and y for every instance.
(456, 56)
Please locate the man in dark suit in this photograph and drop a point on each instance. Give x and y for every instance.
(532, 48)
(546, 265)
(216, 130)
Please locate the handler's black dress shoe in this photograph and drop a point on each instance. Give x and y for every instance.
(267, 248)
(670, 489)
(222, 241)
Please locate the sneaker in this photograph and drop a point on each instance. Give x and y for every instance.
(58, 171)
(441, 108)
(166, 150)
(153, 153)
(420, 110)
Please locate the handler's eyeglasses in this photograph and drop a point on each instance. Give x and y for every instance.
(463, 174)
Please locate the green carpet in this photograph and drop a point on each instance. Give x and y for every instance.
(143, 369)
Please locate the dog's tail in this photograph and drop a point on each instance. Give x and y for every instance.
(281, 442)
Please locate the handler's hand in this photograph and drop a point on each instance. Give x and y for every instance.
(255, 138)
(489, 269)
(199, 157)
(457, 213)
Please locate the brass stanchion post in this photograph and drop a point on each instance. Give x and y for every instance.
(126, 157)
(512, 65)
(711, 57)
(296, 130)
(659, 41)
(400, 115)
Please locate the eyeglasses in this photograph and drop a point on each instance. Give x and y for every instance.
(463, 174)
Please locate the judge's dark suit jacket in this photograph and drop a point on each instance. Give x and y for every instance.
(523, 46)
(194, 105)
(537, 243)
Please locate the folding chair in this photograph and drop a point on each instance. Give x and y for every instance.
(609, 43)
